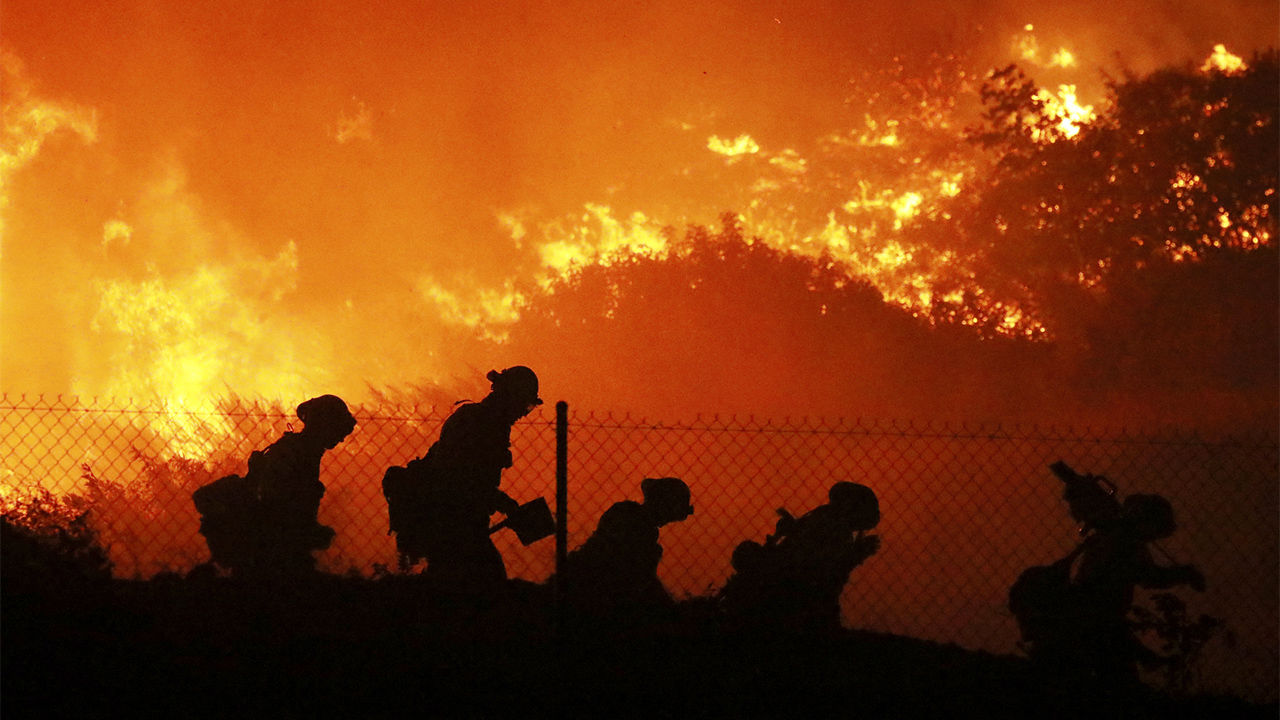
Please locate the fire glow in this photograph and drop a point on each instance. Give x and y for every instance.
(670, 211)
(269, 240)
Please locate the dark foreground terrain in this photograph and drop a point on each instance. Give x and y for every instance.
(82, 645)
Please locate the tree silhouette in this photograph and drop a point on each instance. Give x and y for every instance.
(1179, 167)
(721, 315)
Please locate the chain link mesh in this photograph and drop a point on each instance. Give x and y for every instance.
(965, 508)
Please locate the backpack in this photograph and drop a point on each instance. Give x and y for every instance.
(397, 489)
(1042, 599)
(229, 518)
(407, 490)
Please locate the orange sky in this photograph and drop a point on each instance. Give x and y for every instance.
(252, 196)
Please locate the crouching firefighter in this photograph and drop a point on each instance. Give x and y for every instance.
(793, 581)
(1073, 613)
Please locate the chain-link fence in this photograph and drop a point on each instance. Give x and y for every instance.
(965, 509)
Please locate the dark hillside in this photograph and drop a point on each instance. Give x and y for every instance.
(79, 645)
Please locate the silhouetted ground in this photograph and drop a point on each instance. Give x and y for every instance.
(79, 644)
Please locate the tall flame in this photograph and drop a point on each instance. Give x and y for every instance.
(195, 337)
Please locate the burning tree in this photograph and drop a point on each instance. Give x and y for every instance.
(1180, 167)
(724, 314)
(1144, 243)
(1137, 240)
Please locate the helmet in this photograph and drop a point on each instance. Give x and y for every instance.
(326, 412)
(857, 503)
(669, 493)
(747, 556)
(517, 381)
(1152, 514)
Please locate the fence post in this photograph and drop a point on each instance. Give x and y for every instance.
(562, 501)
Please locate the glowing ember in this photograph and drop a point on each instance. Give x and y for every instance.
(1027, 48)
(1223, 61)
(116, 232)
(741, 145)
(355, 127)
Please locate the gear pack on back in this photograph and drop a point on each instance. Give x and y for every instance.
(230, 515)
(409, 505)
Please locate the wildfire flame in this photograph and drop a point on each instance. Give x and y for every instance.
(179, 337)
(184, 305)
(281, 231)
(1065, 110)
(861, 231)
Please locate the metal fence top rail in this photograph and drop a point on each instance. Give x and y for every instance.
(930, 430)
(713, 423)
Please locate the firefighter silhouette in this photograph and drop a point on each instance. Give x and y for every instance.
(440, 504)
(613, 576)
(266, 521)
(792, 582)
(1073, 614)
